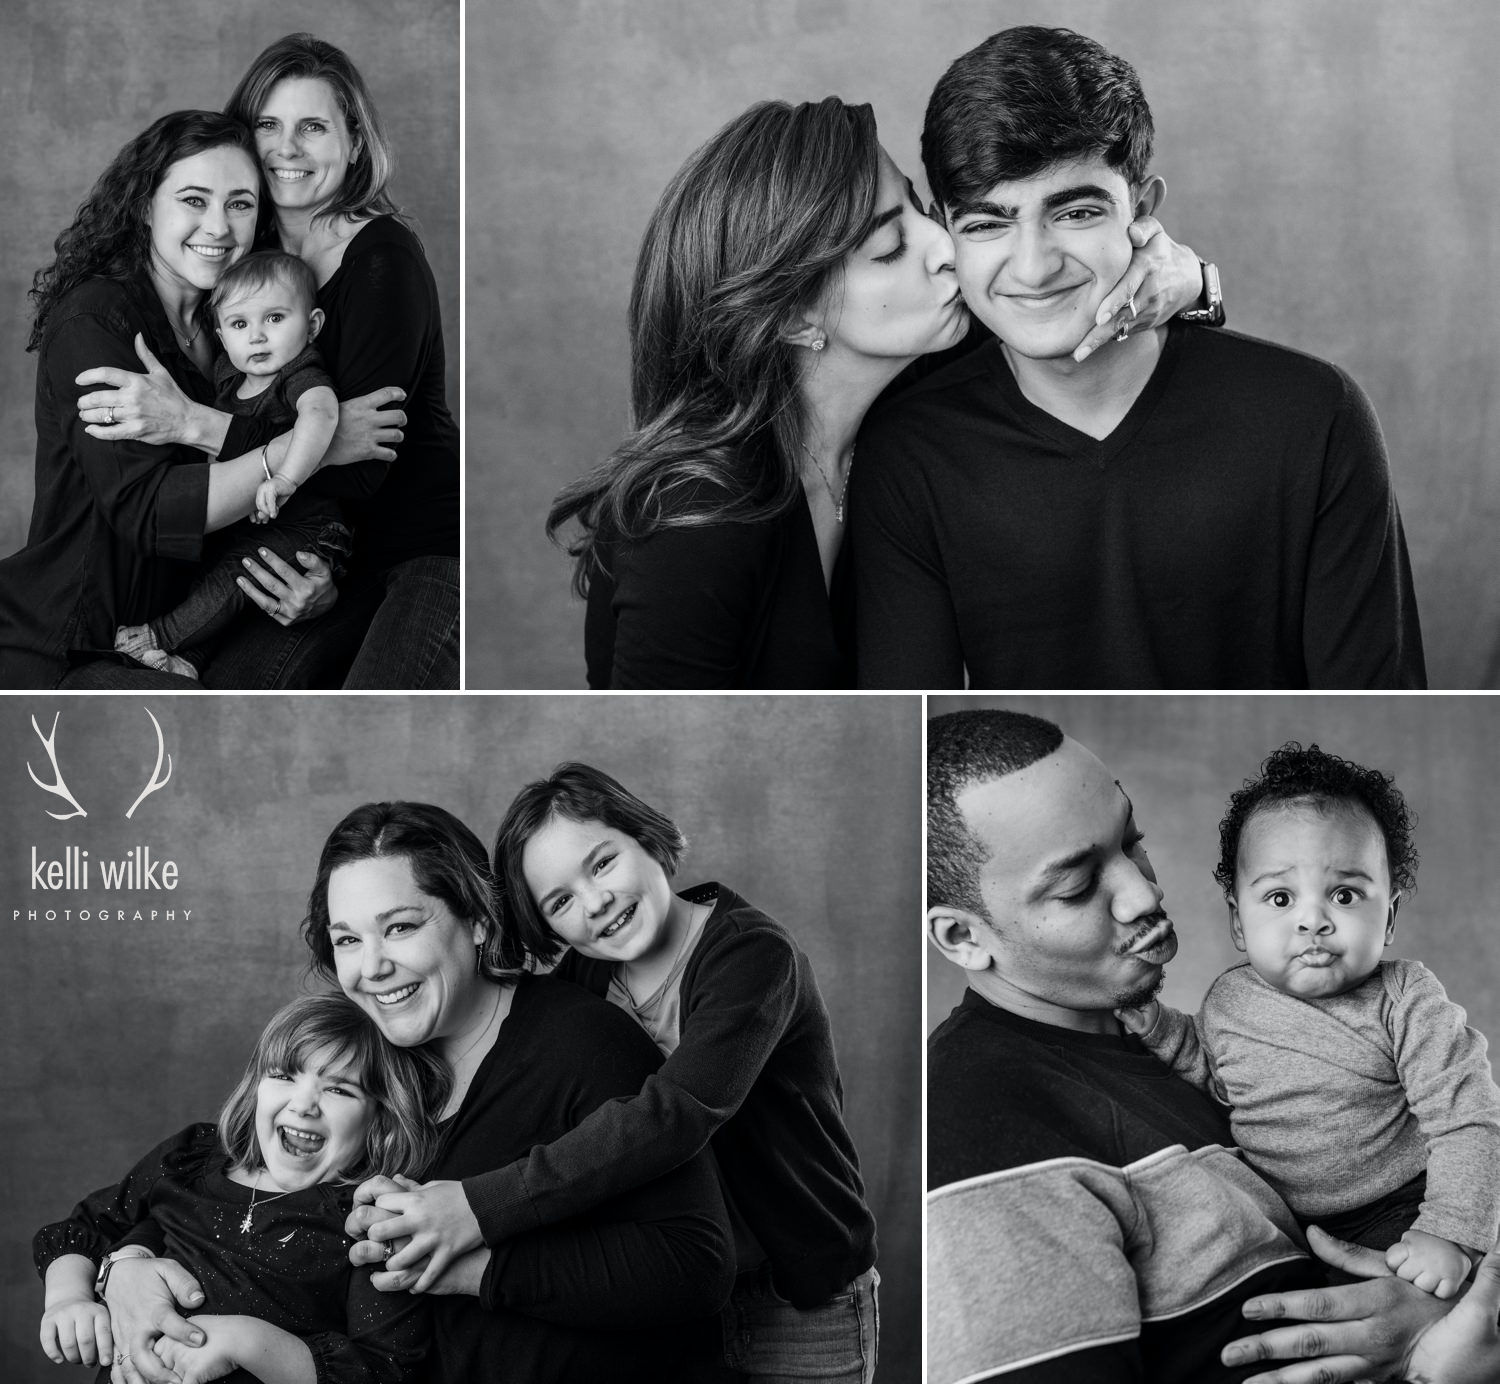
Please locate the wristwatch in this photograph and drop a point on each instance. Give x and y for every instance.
(111, 1259)
(1213, 314)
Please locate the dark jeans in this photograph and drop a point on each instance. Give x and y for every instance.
(391, 630)
(306, 523)
(114, 674)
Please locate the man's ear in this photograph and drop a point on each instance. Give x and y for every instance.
(959, 935)
(1236, 929)
(1149, 199)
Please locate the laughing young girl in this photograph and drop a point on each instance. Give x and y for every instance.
(254, 1208)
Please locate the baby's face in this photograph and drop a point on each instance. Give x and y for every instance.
(266, 329)
(1312, 906)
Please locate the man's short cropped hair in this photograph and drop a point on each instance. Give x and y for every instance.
(1314, 778)
(261, 270)
(1025, 100)
(965, 748)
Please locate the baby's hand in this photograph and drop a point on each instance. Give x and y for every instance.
(77, 1333)
(1141, 1020)
(1434, 1265)
(217, 1356)
(268, 497)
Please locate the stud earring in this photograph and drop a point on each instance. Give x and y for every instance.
(820, 343)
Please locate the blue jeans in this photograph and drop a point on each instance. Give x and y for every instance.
(768, 1340)
(394, 630)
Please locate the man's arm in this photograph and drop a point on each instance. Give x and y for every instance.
(1360, 625)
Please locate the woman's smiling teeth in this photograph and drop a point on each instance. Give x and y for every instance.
(211, 252)
(396, 996)
(291, 175)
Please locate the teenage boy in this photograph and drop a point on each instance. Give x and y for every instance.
(1184, 508)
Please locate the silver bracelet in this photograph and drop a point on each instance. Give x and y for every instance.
(264, 464)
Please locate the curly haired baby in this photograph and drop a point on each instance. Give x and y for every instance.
(1355, 1085)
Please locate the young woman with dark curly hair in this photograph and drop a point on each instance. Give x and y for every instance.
(118, 525)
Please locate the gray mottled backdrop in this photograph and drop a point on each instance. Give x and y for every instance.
(79, 79)
(119, 1032)
(1333, 157)
(1179, 758)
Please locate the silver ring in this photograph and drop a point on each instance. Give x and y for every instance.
(1130, 303)
(119, 1357)
(110, 421)
(387, 1248)
(1123, 333)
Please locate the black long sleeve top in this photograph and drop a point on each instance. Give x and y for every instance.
(626, 1292)
(1236, 529)
(383, 326)
(718, 606)
(291, 1268)
(116, 527)
(754, 1076)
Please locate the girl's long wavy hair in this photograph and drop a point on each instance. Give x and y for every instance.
(746, 237)
(363, 193)
(110, 236)
(407, 1087)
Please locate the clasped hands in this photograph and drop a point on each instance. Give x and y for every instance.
(424, 1235)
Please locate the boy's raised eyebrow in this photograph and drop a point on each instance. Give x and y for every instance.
(1338, 874)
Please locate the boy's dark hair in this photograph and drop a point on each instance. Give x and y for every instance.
(965, 748)
(580, 793)
(1323, 781)
(1024, 100)
(257, 271)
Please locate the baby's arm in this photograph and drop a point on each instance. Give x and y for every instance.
(272, 1355)
(1434, 1265)
(1174, 1038)
(1445, 1071)
(317, 418)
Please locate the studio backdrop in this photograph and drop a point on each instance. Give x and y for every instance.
(1180, 758)
(79, 79)
(133, 1004)
(1333, 158)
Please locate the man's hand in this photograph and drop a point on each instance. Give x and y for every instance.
(1357, 1331)
(1435, 1265)
(1464, 1347)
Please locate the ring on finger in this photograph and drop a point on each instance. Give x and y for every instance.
(109, 420)
(1123, 332)
(1130, 303)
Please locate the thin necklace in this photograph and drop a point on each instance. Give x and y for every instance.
(481, 1032)
(245, 1224)
(838, 499)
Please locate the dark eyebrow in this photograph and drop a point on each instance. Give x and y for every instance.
(1338, 874)
(1051, 202)
(379, 917)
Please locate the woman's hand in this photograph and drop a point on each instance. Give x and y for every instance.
(221, 1354)
(145, 408)
(440, 1225)
(1162, 279)
(143, 1296)
(1356, 1331)
(369, 428)
(287, 595)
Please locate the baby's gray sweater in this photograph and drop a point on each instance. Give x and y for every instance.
(1339, 1101)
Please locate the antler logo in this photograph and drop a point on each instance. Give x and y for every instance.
(60, 789)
